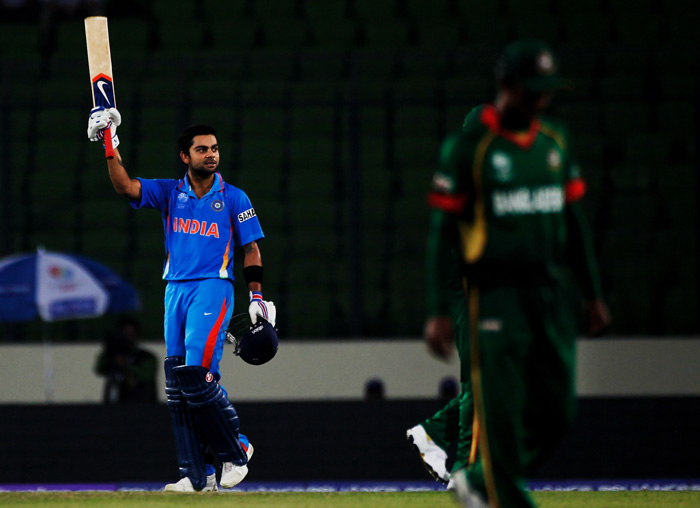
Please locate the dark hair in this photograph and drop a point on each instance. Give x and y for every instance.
(184, 142)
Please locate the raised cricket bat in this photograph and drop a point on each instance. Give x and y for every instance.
(100, 64)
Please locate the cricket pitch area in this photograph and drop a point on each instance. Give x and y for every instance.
(57, 499)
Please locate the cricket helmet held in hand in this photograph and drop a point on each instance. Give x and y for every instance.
(258, 345)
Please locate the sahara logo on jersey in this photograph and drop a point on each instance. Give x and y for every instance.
(195, 227)
(248, 214)
(526, 201)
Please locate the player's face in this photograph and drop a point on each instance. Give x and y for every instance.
(531, 103)
(203, 158)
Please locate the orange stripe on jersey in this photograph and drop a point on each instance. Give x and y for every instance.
(222, 271)
(475, 440)
(211, 339)
(450, 203)
(575, 190)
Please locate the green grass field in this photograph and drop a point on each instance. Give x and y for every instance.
(336, 500)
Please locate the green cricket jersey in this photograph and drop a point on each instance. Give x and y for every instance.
(507, 197)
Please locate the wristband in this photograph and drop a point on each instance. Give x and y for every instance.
(253, 273)
(256, 296)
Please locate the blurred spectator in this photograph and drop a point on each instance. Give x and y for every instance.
(374, 389)
(130, 371)
(448, 388)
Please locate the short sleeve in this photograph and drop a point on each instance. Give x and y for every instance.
(154, 193)
(246, 226)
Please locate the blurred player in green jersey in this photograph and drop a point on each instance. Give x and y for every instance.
(506, 198)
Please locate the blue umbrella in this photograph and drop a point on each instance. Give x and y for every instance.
(56, 286)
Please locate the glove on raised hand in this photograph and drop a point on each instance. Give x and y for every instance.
(260, 308)
(101, 119)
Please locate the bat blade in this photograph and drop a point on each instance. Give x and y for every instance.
(100, 67)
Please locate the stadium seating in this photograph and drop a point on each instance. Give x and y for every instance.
(310, 97)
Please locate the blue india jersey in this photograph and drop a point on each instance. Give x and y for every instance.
(200, 234)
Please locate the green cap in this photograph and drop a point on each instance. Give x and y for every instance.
(532, 64)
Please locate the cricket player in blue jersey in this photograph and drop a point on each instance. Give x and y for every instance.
(204, 219)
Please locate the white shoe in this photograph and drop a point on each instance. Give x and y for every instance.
(451, 483)
(211, 484)
(232, 475)
(467, 496)
(185, 485)
(434, 457)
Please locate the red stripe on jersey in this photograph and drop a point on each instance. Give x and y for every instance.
(211, 339)
(450, 203)
(491, 119)
(575, 190)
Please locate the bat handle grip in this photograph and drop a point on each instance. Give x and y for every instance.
(109, 149)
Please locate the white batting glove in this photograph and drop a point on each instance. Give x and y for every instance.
(260, 308)
(101, 119)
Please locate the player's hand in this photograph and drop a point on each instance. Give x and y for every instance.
(439, 336)
(101, 119)
(598, 318)
(260, 308)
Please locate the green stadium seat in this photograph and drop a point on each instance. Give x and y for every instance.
(265, 121)
(635, 115)
(422, 63)
(311, 152)
(407, 295)
(70, 39)
(575, 9)
(19, 40)
(373, 11)
(586, 28)
(541, 25)
(472, 91)
(274, 65)
(264, 93)
(679, 87)
(632, 177)
(335, 34)
(319, 95)
(387, 34)
(373, 64)
(322, 10)
(681, 310)
(417, 121)
(438, 9)
(234, 34)
(261, 171)
(267, 10)
(223, 122)
(588, 150)
(648, 148)
(676, 117)
(213, 91)
(482, 31)
(323, 65)
(286, 33)
(444, 34)
(416, 91)
(622, 87)
(311, 183)
(128, 37)
(625, 7)
(682, 28)
(634, 27)
(583, 118)
(636, 212)
(417, 150)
